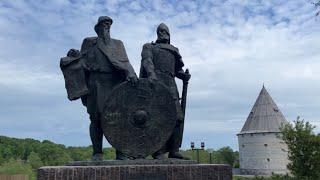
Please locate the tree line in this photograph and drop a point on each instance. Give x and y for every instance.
(25, 156)
(47, 153)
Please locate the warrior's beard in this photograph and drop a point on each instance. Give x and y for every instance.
(105, 34)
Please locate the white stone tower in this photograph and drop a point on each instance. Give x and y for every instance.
(261, 152)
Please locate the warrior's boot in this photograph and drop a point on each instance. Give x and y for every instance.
(121, 156)
(177, 155)
(159, 155)
(97, 157)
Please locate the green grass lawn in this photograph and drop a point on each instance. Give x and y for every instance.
(14, 167)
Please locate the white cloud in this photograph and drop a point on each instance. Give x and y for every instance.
(215, 126)
(30, 80)
(231, 48)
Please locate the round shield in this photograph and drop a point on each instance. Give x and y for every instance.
(138, 120)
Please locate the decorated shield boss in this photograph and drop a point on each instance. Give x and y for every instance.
(138, 120)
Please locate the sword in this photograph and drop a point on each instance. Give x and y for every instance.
(183, 107)
(184, 94)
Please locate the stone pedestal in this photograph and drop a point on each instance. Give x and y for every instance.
(151, 170)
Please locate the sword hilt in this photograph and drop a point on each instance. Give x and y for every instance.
(187, 73)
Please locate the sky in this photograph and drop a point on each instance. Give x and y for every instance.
(231, 47)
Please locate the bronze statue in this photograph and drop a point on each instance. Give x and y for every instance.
(138, 117)
(106, 65)
(162, 62)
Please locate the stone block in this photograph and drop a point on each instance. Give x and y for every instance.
(137, 172)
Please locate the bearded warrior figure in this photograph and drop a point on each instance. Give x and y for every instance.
(91, 75)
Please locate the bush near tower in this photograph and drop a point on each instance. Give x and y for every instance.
(303, 149)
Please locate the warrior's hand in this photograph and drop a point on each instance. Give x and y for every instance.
(73, 53)
(133, 79)
(183, 75)
(187, 76)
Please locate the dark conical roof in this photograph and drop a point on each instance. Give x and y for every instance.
(265, 116)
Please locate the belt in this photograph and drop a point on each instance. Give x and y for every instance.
(164, 72)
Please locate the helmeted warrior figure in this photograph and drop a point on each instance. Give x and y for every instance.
(162, 62)
(107, 65)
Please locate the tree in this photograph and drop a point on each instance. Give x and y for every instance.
(34, 160)
(303, 149)
(224, 155)
(317, 5)
(80, 153)
(53, 154)
(7, 153)
(109, 153)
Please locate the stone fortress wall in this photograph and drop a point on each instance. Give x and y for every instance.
(262, 154)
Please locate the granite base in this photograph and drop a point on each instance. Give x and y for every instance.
(137, 172)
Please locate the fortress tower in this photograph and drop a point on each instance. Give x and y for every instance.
(261, 152)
